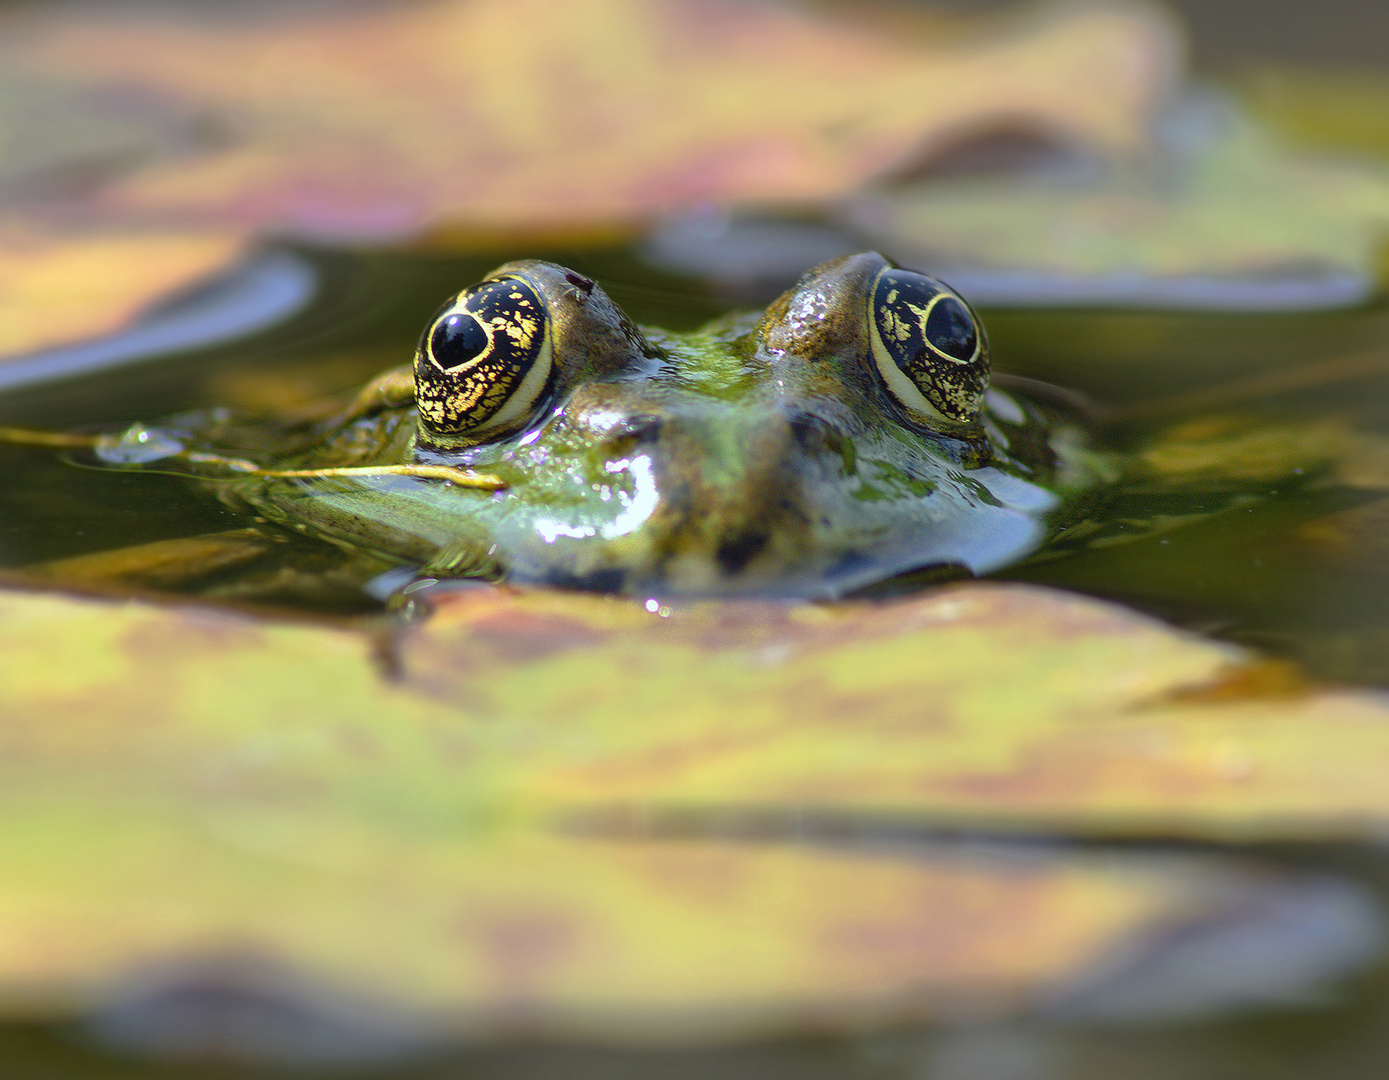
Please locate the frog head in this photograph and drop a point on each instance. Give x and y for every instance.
(844, 435)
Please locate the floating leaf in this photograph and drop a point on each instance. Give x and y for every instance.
(521, 933)
(982, 702)
(57, 288)
(379, 122)
(203, 792)
(1326, 107)
(59, 141)
(135, 138)
(1226, 216)
(999, 704)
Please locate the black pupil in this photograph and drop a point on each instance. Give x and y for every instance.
(456, 340)
(951, 330)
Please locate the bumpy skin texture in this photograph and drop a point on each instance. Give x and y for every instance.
(758, 455)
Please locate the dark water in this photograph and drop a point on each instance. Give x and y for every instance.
(1298, 569)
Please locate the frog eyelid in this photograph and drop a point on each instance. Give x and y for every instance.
(525, 397)
(506, 366)
(899, 386)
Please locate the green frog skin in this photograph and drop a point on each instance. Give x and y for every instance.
(846, 435)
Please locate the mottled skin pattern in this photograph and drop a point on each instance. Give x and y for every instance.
(765, 455)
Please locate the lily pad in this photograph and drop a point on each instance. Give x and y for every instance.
(1224, 216)
(510, 934)
(203, 793)
(1007, 704)
(142, 137)
(1004, 705)
(380, 122)
(59, 141)
(59, 287)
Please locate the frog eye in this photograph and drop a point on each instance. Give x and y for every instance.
(928, 346)
(484, 361)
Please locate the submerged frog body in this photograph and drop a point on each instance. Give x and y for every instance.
(846, 435)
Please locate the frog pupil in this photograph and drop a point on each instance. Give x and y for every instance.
(456, 340)
(951, 330)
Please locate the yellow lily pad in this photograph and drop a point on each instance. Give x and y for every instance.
(58, 287)
(1226, 215)
(383, 121)
(182, 788)
(511, 933)
(1009, 704)
(185, 791)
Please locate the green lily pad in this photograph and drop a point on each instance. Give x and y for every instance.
(1006, 704)
(185, 792)
(1224, 215)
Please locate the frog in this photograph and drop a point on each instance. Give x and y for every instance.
(846, 435)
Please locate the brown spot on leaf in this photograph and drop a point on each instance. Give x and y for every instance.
(1262, 678)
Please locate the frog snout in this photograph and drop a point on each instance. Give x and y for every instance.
(730, 494)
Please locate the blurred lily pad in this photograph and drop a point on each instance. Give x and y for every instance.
(60, 141)
(1224, 216)
(255, 291)
(1335, 109)
(380, 122)
(61, 287)
(1006, 704)
(162, 139)
(202, 792)
(511, 934)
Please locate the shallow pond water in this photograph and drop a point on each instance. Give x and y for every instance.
(1296, 567)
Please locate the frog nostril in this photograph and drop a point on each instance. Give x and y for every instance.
(735, 552)
(641, 430)
(817, 437)
(810, 432)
